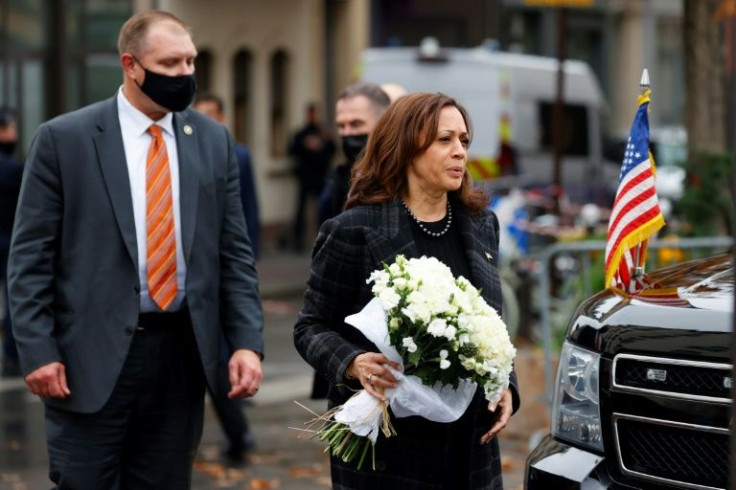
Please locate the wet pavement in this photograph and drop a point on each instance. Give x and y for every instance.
(285, 457)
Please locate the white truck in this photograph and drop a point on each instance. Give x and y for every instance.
(511, 98)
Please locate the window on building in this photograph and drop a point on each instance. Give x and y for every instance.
(203, 70)
(58, 56)
(670, 66)
(242, 90)
(574, 128)
(279, 102)
(91, 38)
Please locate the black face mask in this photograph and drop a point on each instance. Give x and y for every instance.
(353, 145)
(173, 93)
(8, 147)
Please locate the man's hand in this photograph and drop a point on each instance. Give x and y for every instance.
(505, 405)
(49, 381)
(245, 373)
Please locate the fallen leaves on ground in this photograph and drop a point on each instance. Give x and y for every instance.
(508, 464)
(325, 481)
(278, 307)
(9, 477)
(12, 445)
(213, 470)
(263, 484)
(270, 459)
(307, 471)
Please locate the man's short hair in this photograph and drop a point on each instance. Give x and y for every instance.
(210, 97)
(374, 93)
(7, 116)
(132, 36)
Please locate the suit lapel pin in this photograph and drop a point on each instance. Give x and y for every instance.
(188, 130)
(489, 256)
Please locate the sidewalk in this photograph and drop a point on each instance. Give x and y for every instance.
(282, 274)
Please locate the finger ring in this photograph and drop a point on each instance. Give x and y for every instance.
(370, 378)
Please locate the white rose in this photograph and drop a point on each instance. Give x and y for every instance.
(408, 342)
(389, 298)
(437, 327)
(379, 277)
(468, 363)
(401, 284)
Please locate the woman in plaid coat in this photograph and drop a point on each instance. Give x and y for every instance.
(411, 195)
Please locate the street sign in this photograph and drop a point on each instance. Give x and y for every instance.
(559, 3)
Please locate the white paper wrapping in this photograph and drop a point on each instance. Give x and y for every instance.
(362, 413)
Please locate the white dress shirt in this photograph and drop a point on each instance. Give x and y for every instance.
(136, 141)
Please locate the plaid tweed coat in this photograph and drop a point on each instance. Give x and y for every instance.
(348, 248)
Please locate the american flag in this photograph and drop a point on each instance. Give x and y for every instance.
(635, 215)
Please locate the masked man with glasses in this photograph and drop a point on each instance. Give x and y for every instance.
(357, 110)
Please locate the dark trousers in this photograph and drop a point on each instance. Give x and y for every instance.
(228, 410)
(146, 435)
(307, 190)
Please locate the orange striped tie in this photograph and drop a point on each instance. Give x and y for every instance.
(160, 239)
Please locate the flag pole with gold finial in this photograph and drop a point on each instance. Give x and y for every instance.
(640, 250)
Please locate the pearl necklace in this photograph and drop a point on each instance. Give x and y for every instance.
(424, 228)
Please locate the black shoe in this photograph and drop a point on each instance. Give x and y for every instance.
(234, 457)
(236, 454)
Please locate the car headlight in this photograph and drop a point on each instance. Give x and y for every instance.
(575, 412)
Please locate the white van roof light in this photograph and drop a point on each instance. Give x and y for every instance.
(429, 50)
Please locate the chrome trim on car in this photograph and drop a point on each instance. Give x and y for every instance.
(672, 362)
(644, 476)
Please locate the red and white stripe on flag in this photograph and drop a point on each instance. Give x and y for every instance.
(636, 214)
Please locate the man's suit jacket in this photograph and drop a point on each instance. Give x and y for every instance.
(73, 272)
(249, 198)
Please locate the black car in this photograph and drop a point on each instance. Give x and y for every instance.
(643, 391)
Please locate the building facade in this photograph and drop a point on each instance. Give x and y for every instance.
(269, 60)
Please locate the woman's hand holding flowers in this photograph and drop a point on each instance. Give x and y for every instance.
(504, 405)
(449, 342)
(370, 368)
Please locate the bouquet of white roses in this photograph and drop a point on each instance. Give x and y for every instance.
(447, 338)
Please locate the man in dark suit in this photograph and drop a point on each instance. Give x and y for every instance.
(129, 257)
(357, 111)
(213, 106)
(230, 411)
(312, 148)
(11, 172)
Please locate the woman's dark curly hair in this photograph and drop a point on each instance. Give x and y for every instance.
(404, 132)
